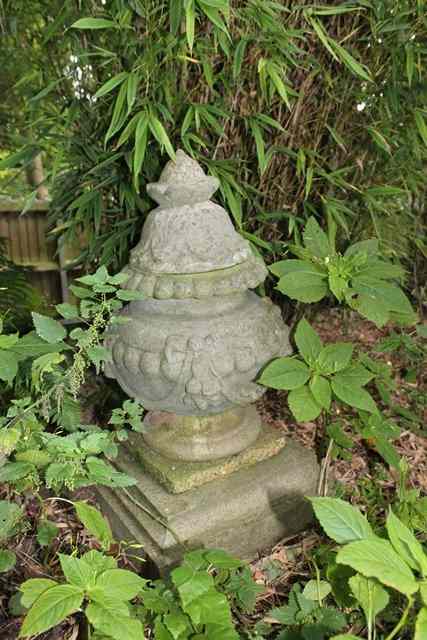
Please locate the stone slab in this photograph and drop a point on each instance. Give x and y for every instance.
(244, 513)
(179, 476)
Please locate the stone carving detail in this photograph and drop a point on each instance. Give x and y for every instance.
(195, 345)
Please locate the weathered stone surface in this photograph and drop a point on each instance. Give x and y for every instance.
(179, 476)
(201, 438)
(196, 357)
(244, 513)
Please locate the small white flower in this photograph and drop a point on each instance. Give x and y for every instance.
(413, 37)
(380, 40)
(361, 106)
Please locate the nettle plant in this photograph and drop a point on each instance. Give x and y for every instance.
(118, 604)
(359, 277)
(42, 438)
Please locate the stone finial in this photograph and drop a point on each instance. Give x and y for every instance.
(182, 182)
(189, 247)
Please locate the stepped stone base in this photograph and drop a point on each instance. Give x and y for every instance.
(243, 513)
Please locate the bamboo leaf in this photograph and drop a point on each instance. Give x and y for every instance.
(111, 84)
(93, 23)
(351, 63)
(161, 136)
(190, 20)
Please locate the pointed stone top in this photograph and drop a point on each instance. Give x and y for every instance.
(182, 182)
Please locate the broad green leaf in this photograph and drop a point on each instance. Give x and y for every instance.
(341, 521)
(371, 309)
(8, 341)
(129, 294)
(335, 357)
(316, 240)
(285, 373)
(98, 355)
(308, 342)
(303, 404)
(369, 247)
(13, 471)
(52, 607)
(222, 560)
(289, 267)
(355, 375)
(177, 624)
(321, 390)
(32, 589)
(7, 560)
(67, 311)
(111, 84)
(99, 277)
(421, 625)
(406, 544)
(95, 523)
(120, 584)
(376, 558)
(93, 23)
(316, 590)
(387, 451)
(46, 532)
(371, 596)
(304, 284)
(336, 432)
(11, 515)
(111, 621)
(353, 395)
(423, 591)
(48, 329)
(77, 571)
(8, 365)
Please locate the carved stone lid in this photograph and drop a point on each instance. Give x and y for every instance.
(189, 244)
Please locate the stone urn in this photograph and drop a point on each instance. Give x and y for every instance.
(192, 349)
(208, 471)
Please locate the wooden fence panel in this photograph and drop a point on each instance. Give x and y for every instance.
(29, 244)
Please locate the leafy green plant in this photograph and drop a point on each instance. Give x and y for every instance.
(58, 361)
(118, 604)
(319, 375)
(397, 562)
(358, 277)
(307, 616)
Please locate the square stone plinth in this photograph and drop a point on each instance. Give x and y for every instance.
(244, 513)
(178, 476)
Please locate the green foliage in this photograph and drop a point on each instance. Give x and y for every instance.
(399, 562)
(358, 277)
(58, 361)
(324, 373)
(307, 617)
(118, 603)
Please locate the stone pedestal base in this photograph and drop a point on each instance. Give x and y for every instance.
(244, 513)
